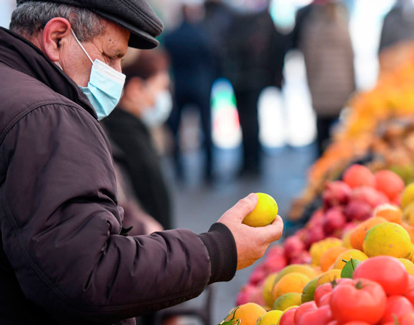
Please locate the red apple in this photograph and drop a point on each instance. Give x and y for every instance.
(358, 210)
(369, 195)
(293, 246)
(334, 220)
(336, 193)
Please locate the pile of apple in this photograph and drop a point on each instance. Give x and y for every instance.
(346, 203)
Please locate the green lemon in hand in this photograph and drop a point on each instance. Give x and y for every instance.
(264, 213)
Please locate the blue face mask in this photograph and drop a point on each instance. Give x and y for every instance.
(104, 87)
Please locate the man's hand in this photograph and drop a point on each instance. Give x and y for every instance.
(251, 242)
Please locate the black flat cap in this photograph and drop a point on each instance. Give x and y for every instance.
(135, 15)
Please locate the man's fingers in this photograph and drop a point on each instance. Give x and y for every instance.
(245, 206)
(275, 230)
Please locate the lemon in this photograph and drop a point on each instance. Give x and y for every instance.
(264, 213)
(287, 300)
(270, 318)
(387, 239)
(407, 196)
(409, 266)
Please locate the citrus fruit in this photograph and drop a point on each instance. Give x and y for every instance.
(409, 266)
(319, 248)
(407, 196)
(292, 282)
(287, 300)
(389, 212)
(387, 239)
(268, 285)
(329, 257)
(308, 291)
(248, 313)
(264, 213)
(408, 214)
(327, 277)
(354, 253)
(270, 318)
(358, 234)
(299, 268)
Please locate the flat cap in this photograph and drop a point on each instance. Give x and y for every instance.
(135, 15)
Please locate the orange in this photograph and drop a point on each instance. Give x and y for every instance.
(390, 212)
(292, 282)
(328, 276)
(297, 268)
(319, 248)
(354, 253)
(410, 230)
(346, 239)
(329, 257)
(248, 313)
(358, 233)
(268, 285)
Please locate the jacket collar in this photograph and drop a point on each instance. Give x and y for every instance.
(21, 55)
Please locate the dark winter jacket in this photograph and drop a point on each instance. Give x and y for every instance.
(63, 257)
(254, 52)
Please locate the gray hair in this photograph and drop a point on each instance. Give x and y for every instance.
(30, 18)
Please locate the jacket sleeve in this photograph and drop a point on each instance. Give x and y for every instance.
(61, 228)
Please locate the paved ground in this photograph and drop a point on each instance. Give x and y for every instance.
(197, 206)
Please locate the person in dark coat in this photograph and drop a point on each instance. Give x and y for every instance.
(216, 22)
(145, 103)
(65, 257)
(254, 60)
(193, 66)
(398, 24)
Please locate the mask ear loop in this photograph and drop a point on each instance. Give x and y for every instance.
(83, 49)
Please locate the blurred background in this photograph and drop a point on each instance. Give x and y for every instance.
(251, 110)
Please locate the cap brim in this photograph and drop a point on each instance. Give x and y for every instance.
(139, 39)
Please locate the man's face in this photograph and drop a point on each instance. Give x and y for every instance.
(110, 48)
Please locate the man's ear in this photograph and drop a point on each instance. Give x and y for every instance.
(55, 35)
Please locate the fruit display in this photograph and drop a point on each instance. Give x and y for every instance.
(376, 130)
(351, 260)
(354, 254)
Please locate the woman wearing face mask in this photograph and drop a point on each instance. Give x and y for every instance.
(146, 103)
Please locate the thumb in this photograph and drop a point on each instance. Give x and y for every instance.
(245, 206)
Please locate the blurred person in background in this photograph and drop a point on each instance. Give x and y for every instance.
(217, 20)
(398, 24)
(194, 69)
(254, 60)
(322, 34)
(397, 35)
(145, 104)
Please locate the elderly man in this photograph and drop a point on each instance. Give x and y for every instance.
(64, 257)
